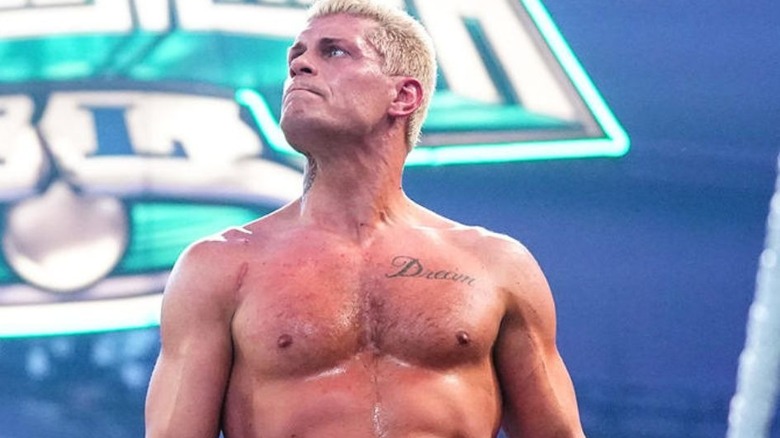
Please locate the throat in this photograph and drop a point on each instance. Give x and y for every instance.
(357, 216)
(361, 191)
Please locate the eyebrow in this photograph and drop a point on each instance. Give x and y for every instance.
(299, 47)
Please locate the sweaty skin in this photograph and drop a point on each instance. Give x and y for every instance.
(354, 312)
(325, 344)
(315, 334)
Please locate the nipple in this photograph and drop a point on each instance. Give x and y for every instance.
(284, 341)
(463, 338)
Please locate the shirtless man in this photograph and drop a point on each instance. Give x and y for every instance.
(354, 312)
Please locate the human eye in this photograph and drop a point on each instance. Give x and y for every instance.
(335, 52)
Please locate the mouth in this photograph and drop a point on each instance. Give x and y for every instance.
(292, 90)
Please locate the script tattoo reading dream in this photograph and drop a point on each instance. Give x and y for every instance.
(405, 266)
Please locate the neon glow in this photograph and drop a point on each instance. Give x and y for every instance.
(130, 298)
(619, 139)
(613, 143)
(80, 317)
(475, 153)
(164, 136)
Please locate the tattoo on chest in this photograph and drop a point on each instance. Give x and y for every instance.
(405, 266)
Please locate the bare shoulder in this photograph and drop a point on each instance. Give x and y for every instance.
(513, 265)
(520, 281)
(218, 262)
(210, 269)
(224, 250)
(218, 251)
(514, 269)
(504, 253)
(222, 255)
(498, 247)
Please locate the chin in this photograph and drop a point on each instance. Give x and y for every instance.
(300, 132)
(306, 129)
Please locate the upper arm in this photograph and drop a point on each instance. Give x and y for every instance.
(538, 395)
(189, 381)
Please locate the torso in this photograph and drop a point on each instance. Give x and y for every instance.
(386, 338)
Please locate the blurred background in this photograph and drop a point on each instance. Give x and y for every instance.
(130, 128)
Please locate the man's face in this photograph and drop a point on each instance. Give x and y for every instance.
(336, 85)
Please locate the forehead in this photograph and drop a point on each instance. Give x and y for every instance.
(339, 26)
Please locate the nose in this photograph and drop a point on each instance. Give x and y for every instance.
(301, 64)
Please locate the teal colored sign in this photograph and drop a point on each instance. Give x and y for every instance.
(133, 127)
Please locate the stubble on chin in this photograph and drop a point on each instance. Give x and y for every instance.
(295, 129)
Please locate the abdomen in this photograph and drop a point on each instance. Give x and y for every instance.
(367, 396)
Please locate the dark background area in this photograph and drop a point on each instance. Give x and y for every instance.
(652, 257)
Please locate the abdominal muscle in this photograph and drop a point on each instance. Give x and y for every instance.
(369, 395)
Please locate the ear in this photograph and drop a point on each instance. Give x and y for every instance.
(408, 97)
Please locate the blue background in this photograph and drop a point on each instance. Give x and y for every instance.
(652, 257)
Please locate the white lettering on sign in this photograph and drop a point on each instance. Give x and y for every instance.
(270, 20)
(153, 15)
(454, 47)
(21, 158)
(528, 70)
(512, 43)
(27, 19)
(208, 129)
(110, 16)
(162, 144)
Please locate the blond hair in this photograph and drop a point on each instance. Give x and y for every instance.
(405, 46)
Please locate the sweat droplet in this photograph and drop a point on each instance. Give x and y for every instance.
(463, 338)
(284, 341)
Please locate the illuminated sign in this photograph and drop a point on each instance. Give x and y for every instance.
(510, 87)
(104, 189)
(131, 128)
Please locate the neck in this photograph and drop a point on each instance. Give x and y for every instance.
(357, 191)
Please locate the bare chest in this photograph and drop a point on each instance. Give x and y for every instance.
(308, 309)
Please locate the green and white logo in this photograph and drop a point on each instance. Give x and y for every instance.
(130, 128)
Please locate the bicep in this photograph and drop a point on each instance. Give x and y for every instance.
(185, 394)
(188, 384)
(537, 392)
(539, 398)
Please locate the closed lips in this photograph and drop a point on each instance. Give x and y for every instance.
(291, 89)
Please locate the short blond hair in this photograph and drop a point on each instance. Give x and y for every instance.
(405, 46)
